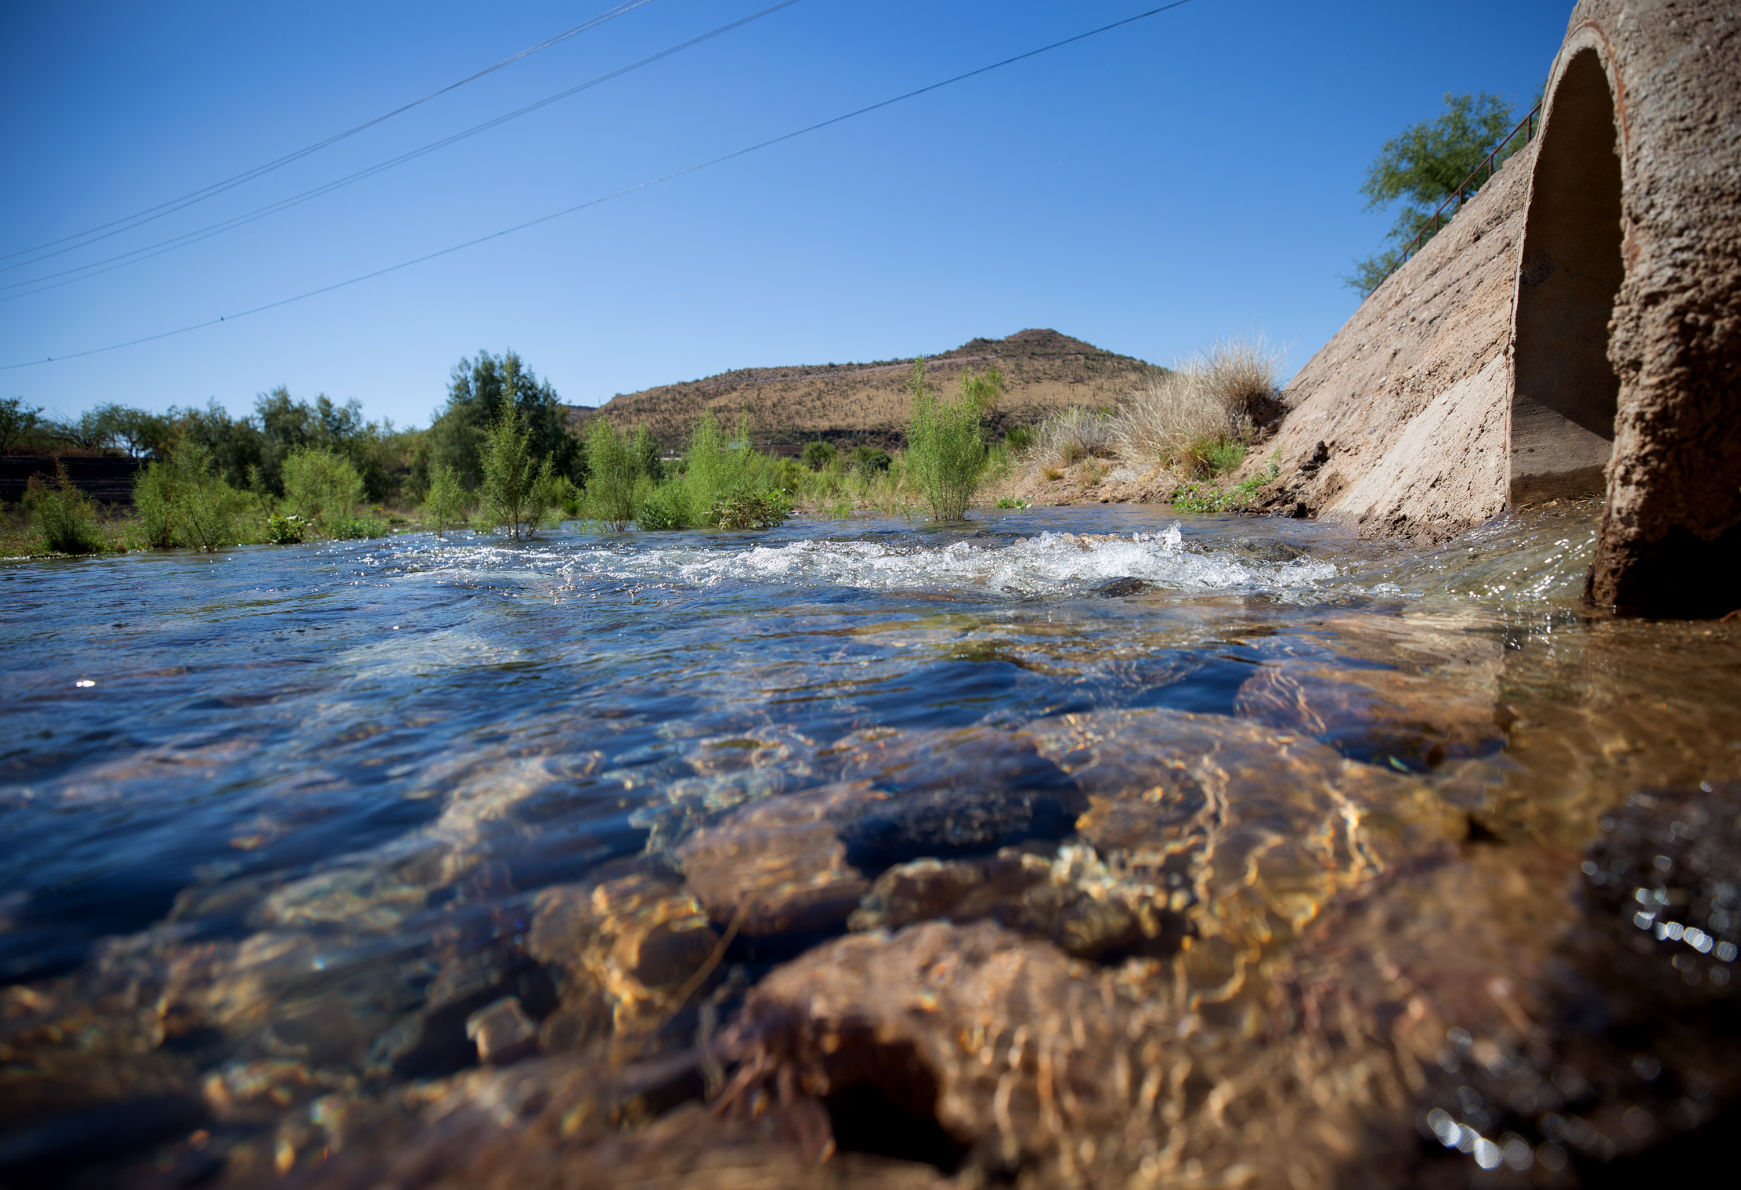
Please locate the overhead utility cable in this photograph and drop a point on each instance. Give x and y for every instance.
(121, 260)
(519, 227)
(127, 222)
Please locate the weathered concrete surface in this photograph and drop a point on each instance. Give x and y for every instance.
(1575, 330)
(1671, 530)
(1409, 398)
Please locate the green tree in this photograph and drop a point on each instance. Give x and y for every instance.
(475, 392)
(509, 473)
(18, 422)
(945, 449)
(1421, 167)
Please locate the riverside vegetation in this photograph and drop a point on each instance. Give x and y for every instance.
(500, 458)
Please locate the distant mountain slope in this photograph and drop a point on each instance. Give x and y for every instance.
(868, 402)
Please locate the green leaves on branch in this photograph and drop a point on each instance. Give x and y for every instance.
(1421, 167)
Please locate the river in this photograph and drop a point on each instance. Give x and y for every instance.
(1357, 864)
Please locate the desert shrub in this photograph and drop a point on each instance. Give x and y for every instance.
(1074, 434)
(1019, 439)
(65, 517)
(321, 487)
(1202, 405)
(611, 474)
(945, 451)
(184, 501)
(446, 503)
(154, 505)
(819, 454)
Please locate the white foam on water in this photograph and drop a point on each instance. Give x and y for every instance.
(1049, 564)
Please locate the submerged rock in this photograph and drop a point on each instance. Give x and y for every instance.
(1070, 900)
(622, 952)
(779, 866)
(943, 1043)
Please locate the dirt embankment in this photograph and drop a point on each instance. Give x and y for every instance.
(1409, 399)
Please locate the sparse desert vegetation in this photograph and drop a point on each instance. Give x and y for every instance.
(1174, 438)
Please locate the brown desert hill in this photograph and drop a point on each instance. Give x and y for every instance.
(868, 403)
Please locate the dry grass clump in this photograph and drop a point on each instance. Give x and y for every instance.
(1193, 414)
(1072, 435)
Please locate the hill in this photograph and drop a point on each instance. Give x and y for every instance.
(852, 403)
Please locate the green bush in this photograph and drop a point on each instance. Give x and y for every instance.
(65, 516)
(945, 451)
(818, 454)
(750, 510)
(662, 507)
(868, 460)
(612, 469)
(183, 501)
(321, 487)
(356, 527)
(447, 501)
(285, 530)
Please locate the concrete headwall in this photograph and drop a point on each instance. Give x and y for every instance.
(1575, 330)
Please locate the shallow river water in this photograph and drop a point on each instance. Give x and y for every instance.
(1071, 846)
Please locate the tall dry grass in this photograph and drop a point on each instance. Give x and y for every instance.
(1203, 405)
(1072, 435)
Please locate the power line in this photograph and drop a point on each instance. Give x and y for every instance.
(121, 260)
(553, 215)
(103, 231)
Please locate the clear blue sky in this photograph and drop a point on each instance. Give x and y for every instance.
(1190, 176)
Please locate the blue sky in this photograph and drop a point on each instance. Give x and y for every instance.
(1186, 177)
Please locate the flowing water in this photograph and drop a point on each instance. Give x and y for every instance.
(1371, 865)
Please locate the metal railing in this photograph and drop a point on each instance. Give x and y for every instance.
(1528, 126)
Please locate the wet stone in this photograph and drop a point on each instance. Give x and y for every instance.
(622, 952)
(780, 867)
(1070, 899)
(1383, 716)
(1117, 588)
(964, 1043)
(502, 1032)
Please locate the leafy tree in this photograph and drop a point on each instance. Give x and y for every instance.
(475, 393)
(509, 473)
(235, 446)
(1421, 167)
(18, 422)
